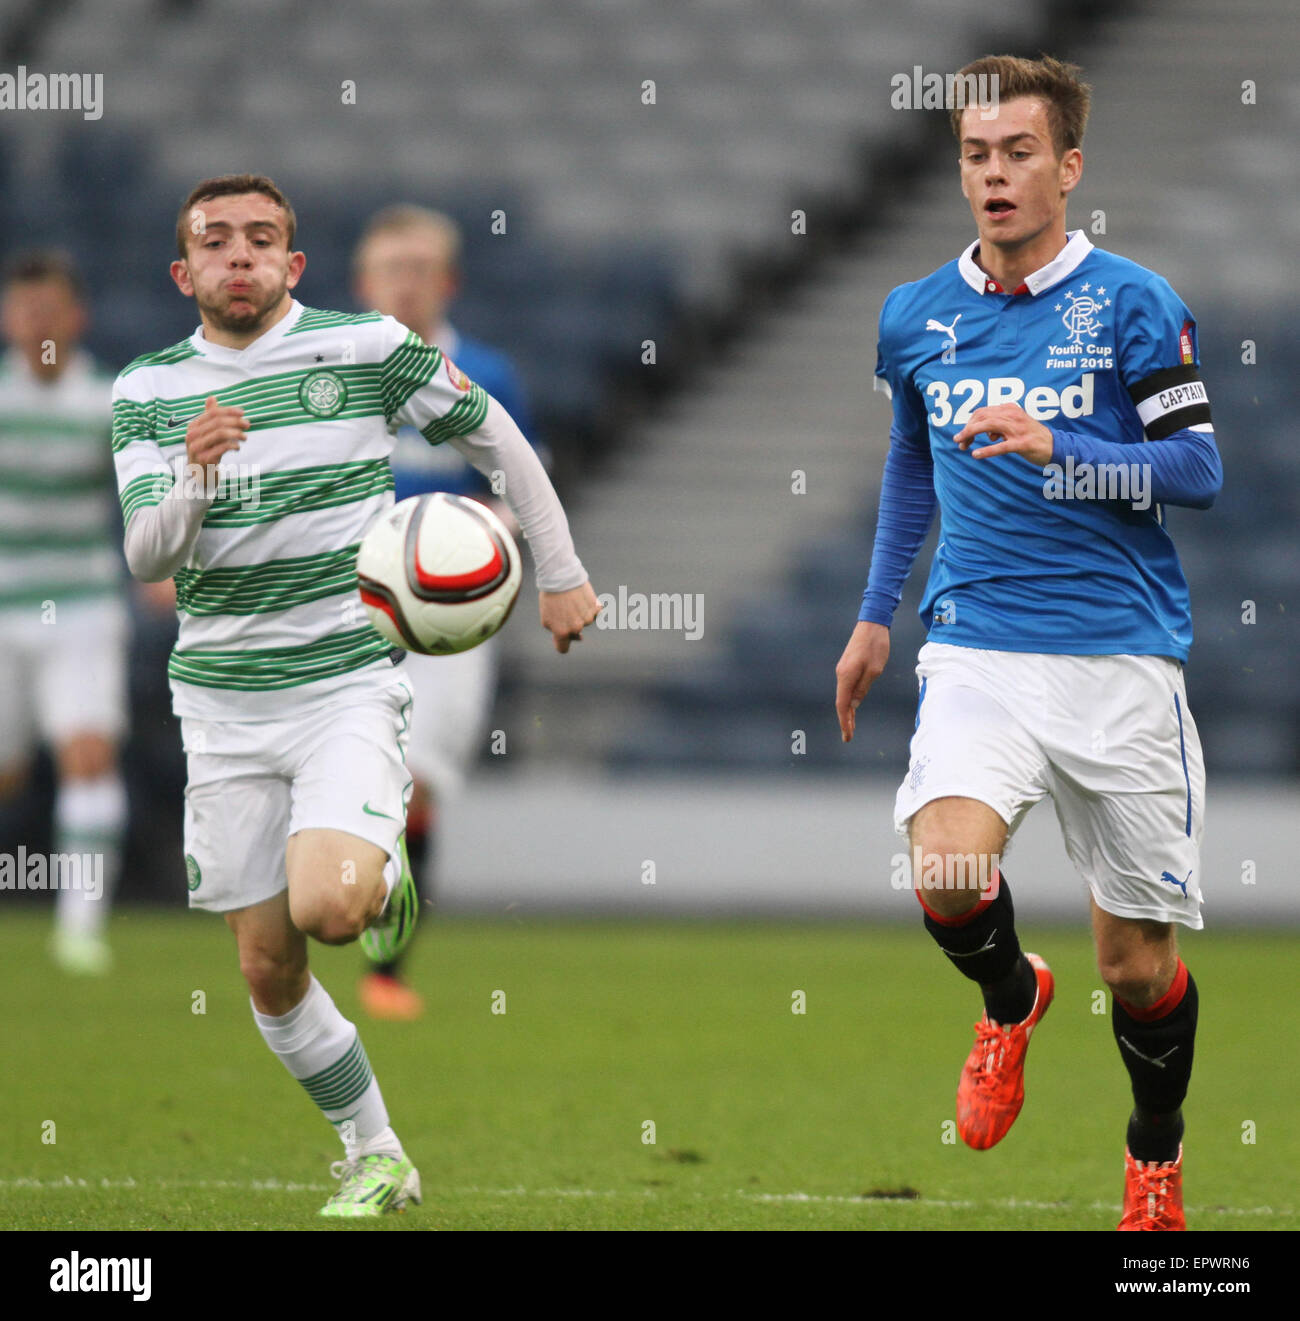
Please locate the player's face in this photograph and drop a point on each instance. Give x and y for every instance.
(1010, 174)
(407, 275)
(238, 266)
(36, 312)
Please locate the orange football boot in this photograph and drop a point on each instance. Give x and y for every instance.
(992, 1087)
(1153, 1193)
(389, 998)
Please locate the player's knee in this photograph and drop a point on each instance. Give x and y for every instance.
(950, 870)
(949, 902)
(270, 973)
(1138, 977)
(334, 918)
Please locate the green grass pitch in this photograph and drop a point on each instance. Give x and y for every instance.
(536, 1118)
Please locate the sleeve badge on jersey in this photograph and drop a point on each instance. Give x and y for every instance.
(1185, 350)
(458, 377)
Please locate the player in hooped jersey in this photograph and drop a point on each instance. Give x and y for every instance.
(251, 459)
(63, 617)
(1046, 400)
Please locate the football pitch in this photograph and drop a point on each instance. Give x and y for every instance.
(610, 1075)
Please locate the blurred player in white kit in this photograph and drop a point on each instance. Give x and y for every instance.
(63, 618)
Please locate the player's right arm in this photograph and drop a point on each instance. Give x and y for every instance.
(163, 517)
(907, 505)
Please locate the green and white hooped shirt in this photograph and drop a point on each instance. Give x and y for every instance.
(270, 618)
(57, 526)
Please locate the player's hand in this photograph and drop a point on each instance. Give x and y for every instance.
(214, 432)
(566, 614)
(861, 665)
(1011, 430)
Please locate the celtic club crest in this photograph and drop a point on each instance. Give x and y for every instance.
(323, 393)
(1080, 318)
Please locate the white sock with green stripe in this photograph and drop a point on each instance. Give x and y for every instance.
(323, 1050)
(89, 822)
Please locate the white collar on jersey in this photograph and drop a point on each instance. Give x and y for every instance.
(1077, 247)
(221, 353)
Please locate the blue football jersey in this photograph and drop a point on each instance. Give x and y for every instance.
(418, 466)
(1073, 558)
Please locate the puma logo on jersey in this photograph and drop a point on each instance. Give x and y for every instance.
(1042, 402)
(950, 331)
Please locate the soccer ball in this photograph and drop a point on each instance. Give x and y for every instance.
(438, 573)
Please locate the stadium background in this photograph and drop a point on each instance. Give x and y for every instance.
(672, 219)
(648, 161)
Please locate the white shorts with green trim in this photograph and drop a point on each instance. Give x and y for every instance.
(254, 783)
(1108, 738)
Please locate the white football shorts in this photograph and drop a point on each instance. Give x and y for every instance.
(453, 702)
(63, 677)
(1108, 738)
(253, 783)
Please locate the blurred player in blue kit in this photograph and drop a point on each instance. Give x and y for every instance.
(407, 265)
(1047, 401)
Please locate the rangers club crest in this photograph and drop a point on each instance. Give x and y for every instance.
(1080, 318)
(323, 393)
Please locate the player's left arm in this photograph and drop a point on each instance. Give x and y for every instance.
(507, 388)
(1159, 366)
(423, 389)
(498, 449)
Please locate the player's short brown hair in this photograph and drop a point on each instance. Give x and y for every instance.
(1068, 97)
(406, 218)
(37, 265)
(232, 185)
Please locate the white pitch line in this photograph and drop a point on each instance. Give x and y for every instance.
(998, 1204)
(838, 1199)
(238, 1185)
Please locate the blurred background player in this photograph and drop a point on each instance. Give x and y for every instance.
(407, 265)
(63, 620)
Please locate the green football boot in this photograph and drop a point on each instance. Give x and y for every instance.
(373, 1186)
(389, 934)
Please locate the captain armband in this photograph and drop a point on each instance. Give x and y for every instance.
(1170, 400)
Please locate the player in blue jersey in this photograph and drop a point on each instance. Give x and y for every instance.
(407, 266)
(1046, 400)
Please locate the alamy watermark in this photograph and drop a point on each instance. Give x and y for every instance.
(946, 871)
(919, 90)
(53, 91)
(52, 871)
(671, 612)
(240, 483)
(1098, 481)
